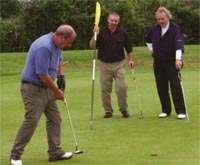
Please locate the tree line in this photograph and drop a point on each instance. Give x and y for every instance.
(22, 21)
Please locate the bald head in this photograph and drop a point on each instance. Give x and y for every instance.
(64, 36)
(65, 30)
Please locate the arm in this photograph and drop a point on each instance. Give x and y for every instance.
(179, 62)
(94, 37)
(150, 47)
(42, 57)
(60, 69)
(61, 77)
(91, 44)
(129, 51)
(179, 48)
(47, 81)
(148, 39)
(131, 60)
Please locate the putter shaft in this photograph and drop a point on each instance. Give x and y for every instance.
(137, 93)
(180, 79)
(71, 125)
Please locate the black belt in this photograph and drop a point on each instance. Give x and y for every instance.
(31, 83)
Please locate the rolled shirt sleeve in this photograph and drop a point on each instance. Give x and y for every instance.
(178, 54)
(150, 46)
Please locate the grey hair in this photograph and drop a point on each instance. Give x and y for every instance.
(64, 30)
(165, 10)
(113, 13)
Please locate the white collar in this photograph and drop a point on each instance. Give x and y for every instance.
(166, 26)
(164, 29)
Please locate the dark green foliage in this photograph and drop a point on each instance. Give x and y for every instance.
(9, 8)
(24, 21)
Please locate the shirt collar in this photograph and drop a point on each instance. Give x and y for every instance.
(166, 27)
(112, 31)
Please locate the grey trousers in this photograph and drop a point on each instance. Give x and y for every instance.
(39, 100)
(108, 73)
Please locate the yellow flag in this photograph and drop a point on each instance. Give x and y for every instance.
(97, 14)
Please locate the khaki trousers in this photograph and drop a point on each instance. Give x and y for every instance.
(108, 73)
(39, 100)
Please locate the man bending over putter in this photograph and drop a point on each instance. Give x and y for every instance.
(165, 41)
(111, 42)
(39, 93)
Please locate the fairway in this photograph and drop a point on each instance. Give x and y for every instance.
(114, 141)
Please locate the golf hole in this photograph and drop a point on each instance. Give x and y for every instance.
(153, 154)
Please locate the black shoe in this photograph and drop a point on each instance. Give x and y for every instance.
(108, 115)
(125, 114)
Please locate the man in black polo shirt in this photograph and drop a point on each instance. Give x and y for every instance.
(111, 42)
(164, 40)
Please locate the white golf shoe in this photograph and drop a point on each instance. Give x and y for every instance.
(162, 115)
(181, 116)
(15, 162)
(67, 155)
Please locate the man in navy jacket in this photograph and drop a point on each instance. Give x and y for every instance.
(165, 41)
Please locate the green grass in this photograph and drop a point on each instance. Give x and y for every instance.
(112, 141)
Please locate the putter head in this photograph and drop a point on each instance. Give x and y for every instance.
(78, 152)
(140, 117)
(91, 125)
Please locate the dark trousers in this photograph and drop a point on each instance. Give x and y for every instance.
(166, 75)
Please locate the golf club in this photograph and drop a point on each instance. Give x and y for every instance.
(77, 151)
(138, 95)
(180, 79)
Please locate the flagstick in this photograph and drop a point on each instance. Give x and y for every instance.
(97, 18)
(93, 79)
